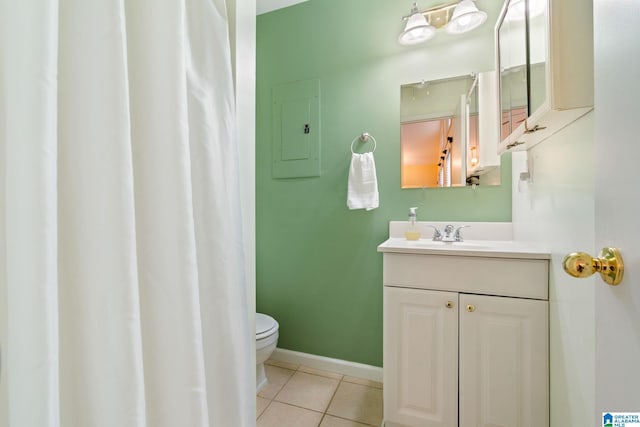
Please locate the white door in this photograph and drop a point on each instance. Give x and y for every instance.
(420, 358)
(504, 357)
(617, 212)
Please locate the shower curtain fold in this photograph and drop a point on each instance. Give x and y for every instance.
(123, 266)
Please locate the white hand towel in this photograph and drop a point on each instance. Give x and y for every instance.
(362, 192)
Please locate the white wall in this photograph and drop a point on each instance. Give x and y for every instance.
(4, 396)
(557, 209)
(242, 17)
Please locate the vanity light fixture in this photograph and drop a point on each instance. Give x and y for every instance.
(417, 30)
(457, 17)
(465, 18)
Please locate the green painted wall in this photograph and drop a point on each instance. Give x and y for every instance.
(318, 271)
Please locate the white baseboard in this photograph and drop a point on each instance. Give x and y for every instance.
(343, 367)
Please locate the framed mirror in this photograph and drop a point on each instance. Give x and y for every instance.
(439, 134)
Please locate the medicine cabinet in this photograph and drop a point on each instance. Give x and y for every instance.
(544, 52)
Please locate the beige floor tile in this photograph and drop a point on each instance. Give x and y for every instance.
(331, 421)
(276, 378)
(261, 405)
(320, 372)
(282, 415)
(281, 364)
(308, 391)
(358, 403)
(362, 381)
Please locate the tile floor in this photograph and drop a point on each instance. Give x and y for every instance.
(299, 396)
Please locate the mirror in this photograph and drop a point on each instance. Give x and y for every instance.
(512, 51)
(439, 134)
(522, 60)
(538, 32)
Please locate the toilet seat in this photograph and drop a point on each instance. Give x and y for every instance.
(265, 326)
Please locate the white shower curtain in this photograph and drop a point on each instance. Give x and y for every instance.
(122, 264)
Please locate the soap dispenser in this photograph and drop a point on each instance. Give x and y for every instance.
(412, 232)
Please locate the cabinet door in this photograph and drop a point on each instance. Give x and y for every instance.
(420, 358)
(558, 64)
(504, 365)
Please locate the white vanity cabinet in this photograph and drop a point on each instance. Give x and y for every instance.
(465, 337)
(545, 58)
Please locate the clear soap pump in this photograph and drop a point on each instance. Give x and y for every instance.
(412, 232)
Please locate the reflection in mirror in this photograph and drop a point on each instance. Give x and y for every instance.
(430, 132)
(513, 83)
(512, 45)
(537, 53)
(439, 135)
(522, 56)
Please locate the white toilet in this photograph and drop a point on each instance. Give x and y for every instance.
(266, 341)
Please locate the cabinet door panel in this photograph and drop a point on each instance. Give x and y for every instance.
(420, 357)
(503, 362)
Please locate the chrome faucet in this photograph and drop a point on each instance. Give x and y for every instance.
(448, 234)
(451, 234)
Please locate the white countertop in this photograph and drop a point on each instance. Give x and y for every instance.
(476, 248)
(472, 231)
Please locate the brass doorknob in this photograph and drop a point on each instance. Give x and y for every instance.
(449, 304)
(471, 308)
(609, 264)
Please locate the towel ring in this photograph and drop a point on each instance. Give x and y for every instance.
(364, 138)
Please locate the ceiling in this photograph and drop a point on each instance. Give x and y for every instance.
(264, 6)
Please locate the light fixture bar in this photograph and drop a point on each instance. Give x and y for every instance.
(437, 16)
(456, 17)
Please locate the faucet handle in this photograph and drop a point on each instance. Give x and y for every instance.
(448, 230)
(436, 233)
(456, 235)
